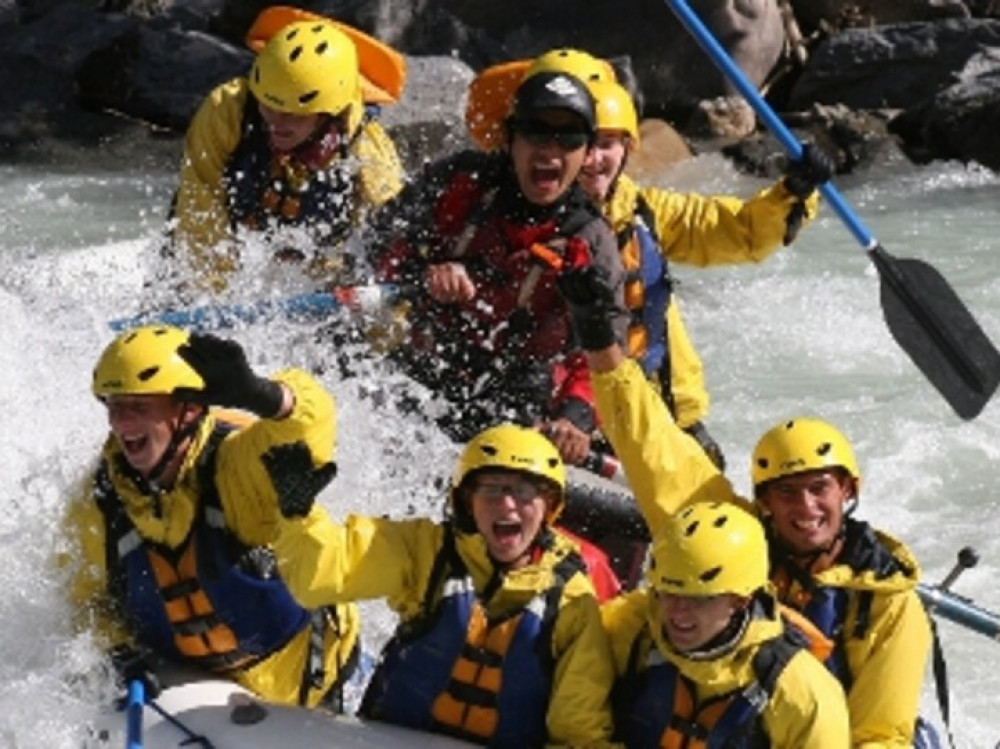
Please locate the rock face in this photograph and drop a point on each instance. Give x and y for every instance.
(154, 60)
(811, 13)
(659, 147)
(943, 77)
(960, 122)
(86, 71)
(891, 66)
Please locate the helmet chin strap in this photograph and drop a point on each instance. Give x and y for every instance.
(177, 438)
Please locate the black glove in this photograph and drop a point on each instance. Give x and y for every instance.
(803, 176)
(591, 303)
(229, 381)
(295, 480)
(131, 664)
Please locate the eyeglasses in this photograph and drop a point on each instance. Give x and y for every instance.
(522, 490)
(539, 133)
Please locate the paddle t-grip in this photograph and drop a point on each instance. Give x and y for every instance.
(967, 559)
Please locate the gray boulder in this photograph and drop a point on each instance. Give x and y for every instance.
(891, 66)
(961, 122)
(159, 74)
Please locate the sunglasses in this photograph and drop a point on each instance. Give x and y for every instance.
(522, 491)
(539, 133)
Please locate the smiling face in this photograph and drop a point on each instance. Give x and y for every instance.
(286, 131)
(144, 426)
(548, 152)
(690, 622)
(807, 509)
(604, 163)
(509, 510)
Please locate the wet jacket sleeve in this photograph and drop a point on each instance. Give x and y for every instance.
(361, 558)
(579, 709)
(83, 552)
(687, 377)
(380, 173)
(807, 710)
(623, 618)
(721, 230)
(201, 215)
(666, 468)
(887, 666)
(245, 489)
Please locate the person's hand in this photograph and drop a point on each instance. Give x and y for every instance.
(448, 283)
(229, 381)
(295, 480)
(132, 664)
(572, 442)
(591, 303)
(804, 175)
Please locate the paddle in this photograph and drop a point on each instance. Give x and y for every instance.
(925, 316)
(299, 307)
(191, 738)
(940, 600)
(133, 714)
(960, 610)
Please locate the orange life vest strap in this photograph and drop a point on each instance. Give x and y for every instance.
(198, 632)
(817, 643)
(691, 724)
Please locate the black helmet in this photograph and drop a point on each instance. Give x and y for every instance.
(553, 90)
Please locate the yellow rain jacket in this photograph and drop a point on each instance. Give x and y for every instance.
(365, 557)
(666, 468)
(806, 709)
(703, 231)
(203, 230)
(886, 663)
(250, 510)
(886, 659)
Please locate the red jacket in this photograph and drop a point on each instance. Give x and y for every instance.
(515, 334)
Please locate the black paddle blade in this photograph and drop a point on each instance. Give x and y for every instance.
(933, 326)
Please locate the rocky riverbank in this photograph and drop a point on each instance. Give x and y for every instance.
(121, 78)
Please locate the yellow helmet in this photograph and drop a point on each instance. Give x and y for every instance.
(581, 65)
(511, 447)
(707, 549)
(309, 67)
(798, 445)
(144, 361)
(615, 108)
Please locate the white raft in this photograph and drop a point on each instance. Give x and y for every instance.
(229, 717)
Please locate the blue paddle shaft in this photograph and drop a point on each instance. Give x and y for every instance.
(959, 610)
(304, 306)
(133, 714)
(788, 141)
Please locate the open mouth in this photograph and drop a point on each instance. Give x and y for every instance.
(507, 532)
(681, 633)
(546, 176)
(133, 446)
(808, 526)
